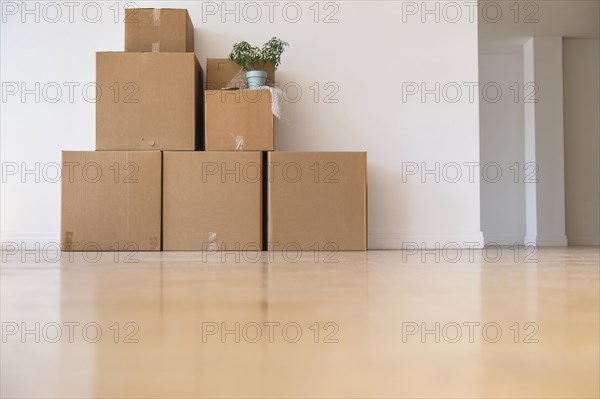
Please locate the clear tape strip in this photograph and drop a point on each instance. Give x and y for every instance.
(156, 16)
(239, 143)
(212, 238)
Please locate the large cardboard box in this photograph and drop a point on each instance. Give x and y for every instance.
(158, 30)
(317, 200)
(238, 120)
(148, 101)
(220, 71)
(111, 200)
(212, 200)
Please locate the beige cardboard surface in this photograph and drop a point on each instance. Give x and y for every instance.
(238, 120)
(111, 200)
(317, 199)
(158, 30)
(212, 200)
(148, 101)
(220, 71)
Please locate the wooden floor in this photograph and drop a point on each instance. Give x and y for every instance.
(375, 324)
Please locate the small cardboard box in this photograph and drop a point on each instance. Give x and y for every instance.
(238, 120)
(111, 200)
(166, 30)
(220, 71)
(212, 200)
(317, 200)
(148, 101)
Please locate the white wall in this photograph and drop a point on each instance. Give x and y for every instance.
(581, 63)
(544, 127)
(501, 44)
(368, 53)
(502, 138)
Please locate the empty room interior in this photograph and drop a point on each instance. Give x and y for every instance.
(300, 199)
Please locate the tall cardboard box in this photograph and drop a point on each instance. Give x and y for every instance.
(158, 30)
(238, 120)
(317, 200)
(220, 71)
(111, 200)
(212, 200)
(148, 101)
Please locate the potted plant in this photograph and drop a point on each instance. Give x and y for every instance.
(253, 59)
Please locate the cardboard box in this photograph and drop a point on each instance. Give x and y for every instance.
(212, 200)
(220, 71)
(317, 199)
(163, 30)
(148, 101)
(238, 120)
(111, 200)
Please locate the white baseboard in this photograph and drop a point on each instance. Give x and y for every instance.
(425, 241)
(30, 241)
(501, 239)
(546, 241)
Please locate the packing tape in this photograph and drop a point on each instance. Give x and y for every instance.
(156, 16)
(156, 47)
(239, 143)
(212, 238)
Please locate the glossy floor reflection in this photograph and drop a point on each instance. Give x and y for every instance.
(375, 324)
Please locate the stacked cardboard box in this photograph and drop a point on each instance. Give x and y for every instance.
(313, 200)
(149, 99)
(111, 200)
(180, 168)
(317, 200)
(212, 200)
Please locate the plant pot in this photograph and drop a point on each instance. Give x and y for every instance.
(256, 79)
